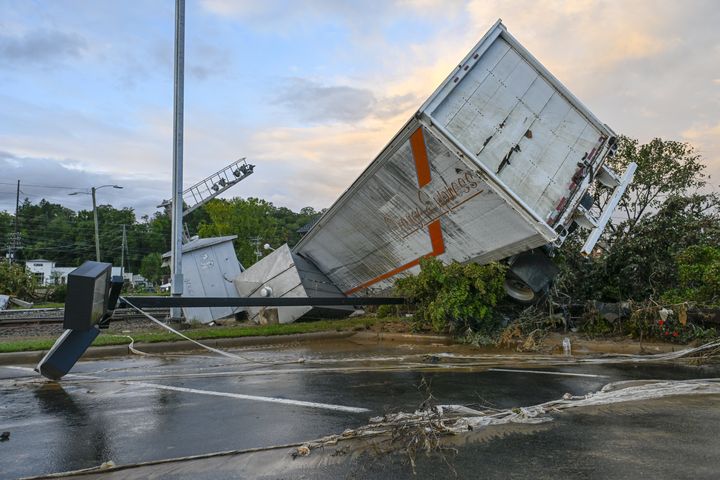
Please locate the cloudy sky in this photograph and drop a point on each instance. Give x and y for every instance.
(310, 91)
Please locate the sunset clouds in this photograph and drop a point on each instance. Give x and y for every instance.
(311, 91)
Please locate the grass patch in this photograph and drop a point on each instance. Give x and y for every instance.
(48, 305)
(207, 333)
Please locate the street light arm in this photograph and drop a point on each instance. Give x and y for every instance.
(95, 188)
(95, 214)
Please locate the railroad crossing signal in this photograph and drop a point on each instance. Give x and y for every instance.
(205, 190)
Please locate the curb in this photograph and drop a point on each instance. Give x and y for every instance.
(17, 358)
(403, 338)
(593, 347)
(30, 357)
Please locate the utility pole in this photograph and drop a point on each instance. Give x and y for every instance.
(16, 236)
(97, 228)
(176, 288)
(95, 215)
(256, 241)
(122, 254)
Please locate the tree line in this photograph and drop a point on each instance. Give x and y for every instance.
(54, 232)
(663, 242)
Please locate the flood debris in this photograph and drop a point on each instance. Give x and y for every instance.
(21, 303)
(422, 431)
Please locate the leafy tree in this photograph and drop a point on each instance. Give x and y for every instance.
(253, 218)
(699, 276)
(454, 297)
(15, 280)
(6, 227)
(111, 221)
(57, 233)
(151, 267)
(665, 168)
(661, 214)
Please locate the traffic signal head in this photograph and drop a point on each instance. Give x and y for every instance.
(88, 290)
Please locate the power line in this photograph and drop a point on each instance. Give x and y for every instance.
(46, 186)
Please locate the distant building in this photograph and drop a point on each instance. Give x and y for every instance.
(59, 275)
(47, 273)
(306, 228)
(42, 270)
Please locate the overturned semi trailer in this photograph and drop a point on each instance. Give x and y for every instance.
(495, 165)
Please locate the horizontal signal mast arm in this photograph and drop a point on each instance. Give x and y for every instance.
(190, 302)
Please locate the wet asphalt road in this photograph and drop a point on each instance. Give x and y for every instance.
(147, 408)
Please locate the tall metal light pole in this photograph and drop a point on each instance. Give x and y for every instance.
(176, 288)
(95, 215)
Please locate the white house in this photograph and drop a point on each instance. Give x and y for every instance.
(47, 273)
(59, 274)
(42, 270)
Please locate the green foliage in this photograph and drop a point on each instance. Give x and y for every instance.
(663, 323)
(385, 311)
(698, 269)
(597, 327)
(454, 297)
(666, 168)
(250, 218)
(151, 267)
(54, 232)
(57, 294)
(660, 216)
(15, 280)
(203, 333)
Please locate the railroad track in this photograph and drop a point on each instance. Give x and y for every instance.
(41, 316)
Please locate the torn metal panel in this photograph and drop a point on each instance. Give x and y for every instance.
(284, 274)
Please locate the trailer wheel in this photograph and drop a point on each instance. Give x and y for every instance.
(519, 290)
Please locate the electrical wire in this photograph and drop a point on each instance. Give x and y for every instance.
(202, 345)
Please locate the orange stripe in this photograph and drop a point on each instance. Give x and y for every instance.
(436, 239)
(419, 152)
(384, 276)
(422, 167)
(438, 248)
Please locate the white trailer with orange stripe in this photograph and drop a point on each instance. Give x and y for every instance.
(493, 166)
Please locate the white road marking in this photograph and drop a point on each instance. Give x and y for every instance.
(22, 369)
(34, 373)
(286, 401)
(544, 372)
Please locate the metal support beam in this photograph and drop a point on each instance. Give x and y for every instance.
(619, 191)
(190, 302)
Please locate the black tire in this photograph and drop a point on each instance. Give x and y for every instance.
(519, 291)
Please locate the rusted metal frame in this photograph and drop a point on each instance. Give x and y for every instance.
(575, 196)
